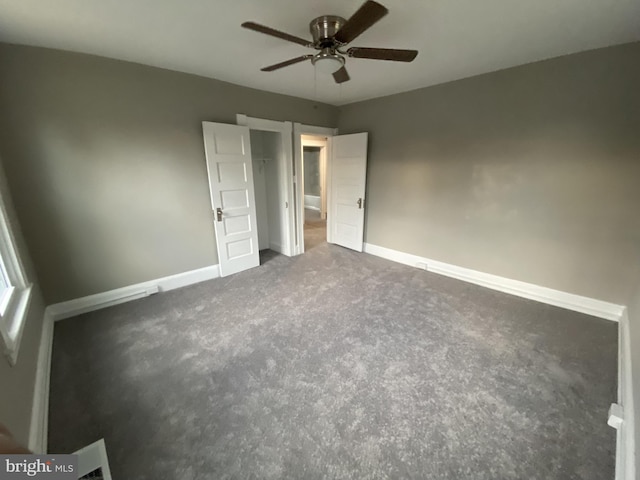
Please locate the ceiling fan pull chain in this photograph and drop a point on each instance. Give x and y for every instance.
(315, 84)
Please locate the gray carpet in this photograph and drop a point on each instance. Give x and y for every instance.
(337, 365)
(312, 216)
(315, 229)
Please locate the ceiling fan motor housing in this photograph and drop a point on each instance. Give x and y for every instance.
(323, 30)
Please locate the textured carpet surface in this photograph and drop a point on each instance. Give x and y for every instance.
(315, 230)
(312, 216)
(337, 365)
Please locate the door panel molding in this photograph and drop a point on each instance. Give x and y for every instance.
(348, 188)
(230, 173)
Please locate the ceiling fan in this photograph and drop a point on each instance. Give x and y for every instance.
(330, 34)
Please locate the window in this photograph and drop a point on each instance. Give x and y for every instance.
(15, 291)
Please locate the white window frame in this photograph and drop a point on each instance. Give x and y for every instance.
(14, 300)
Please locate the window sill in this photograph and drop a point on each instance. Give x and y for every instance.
(14, 323)
(5, 300)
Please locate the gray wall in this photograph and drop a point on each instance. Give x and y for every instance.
(17, 382)
(272, 153)
(266, 154)
(105, 161)
(530, 173)
(260, 188)
(311, 167)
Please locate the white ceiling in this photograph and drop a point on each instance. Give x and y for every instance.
(455, 38)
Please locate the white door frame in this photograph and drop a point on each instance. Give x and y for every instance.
(297, 180)
(285, 129)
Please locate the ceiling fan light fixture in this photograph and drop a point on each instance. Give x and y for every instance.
(327, 63)
(330, 33)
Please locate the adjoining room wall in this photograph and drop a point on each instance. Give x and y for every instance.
(529, 173)
(272, 149)
(260, 189)
(311, 159)
(105, 161)
(17, 382)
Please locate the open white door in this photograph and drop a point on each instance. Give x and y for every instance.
(348, 180)
(229, 166)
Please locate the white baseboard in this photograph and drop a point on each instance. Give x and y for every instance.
(38, 431)
(578, 303)
(97, 301)
(625, 435)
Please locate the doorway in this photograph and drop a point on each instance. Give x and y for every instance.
(272, 159)
(314, 190)
(279, 186)
(266, 151)
(314, 138)
(230, 166)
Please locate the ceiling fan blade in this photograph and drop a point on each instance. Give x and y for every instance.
(271, 68)
(368, 14)
(256, 27)
(341, 76)
(383, 54)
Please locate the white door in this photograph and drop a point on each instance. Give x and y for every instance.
(348, 179)
(228, 152)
